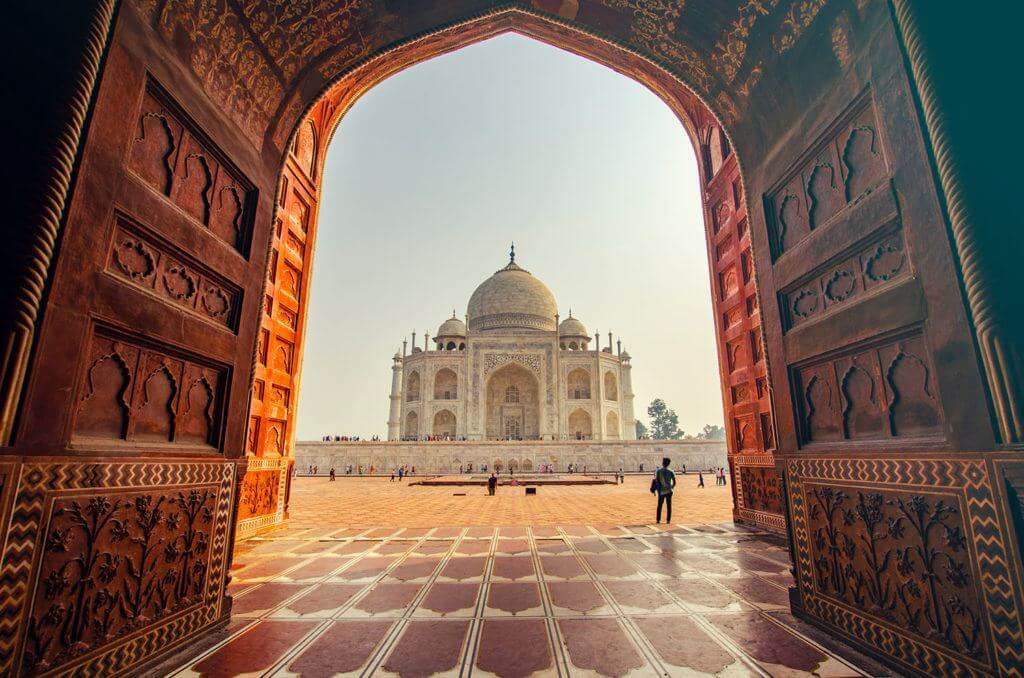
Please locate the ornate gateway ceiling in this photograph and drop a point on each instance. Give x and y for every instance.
(261, 62)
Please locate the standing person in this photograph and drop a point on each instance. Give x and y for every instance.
(492, 484)
(392, 475)
(401, 473)
(725, 480)
(700, 479)
(664, 482)
(371, 469)
(332, 474)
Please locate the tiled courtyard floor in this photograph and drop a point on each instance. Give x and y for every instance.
(373, 502)
(373, 579)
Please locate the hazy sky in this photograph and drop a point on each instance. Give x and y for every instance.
(434, 171)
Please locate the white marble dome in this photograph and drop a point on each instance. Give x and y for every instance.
(453, 327)
(512, 299)
(572, 327)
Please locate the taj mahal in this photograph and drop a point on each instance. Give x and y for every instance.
(512, 371)
(513, 386)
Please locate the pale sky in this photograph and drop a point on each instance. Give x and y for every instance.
(434, 171)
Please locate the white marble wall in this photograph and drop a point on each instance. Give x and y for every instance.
(445, 457)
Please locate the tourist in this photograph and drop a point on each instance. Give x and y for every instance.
(724, 481)
(332, 474)
(401, 473)
(622, 476)
(371, 469)
(664, 481)
(492, 484)
(392, 475)
(700, 479)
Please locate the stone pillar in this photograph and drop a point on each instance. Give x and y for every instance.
(395, 413)
(626, 398)
(596, 393)
(559, 399)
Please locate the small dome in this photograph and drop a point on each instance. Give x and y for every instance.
(453, 327)
(512, 299)
(571, 327)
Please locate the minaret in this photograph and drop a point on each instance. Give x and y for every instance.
(597, 389)
(628, 417)
(395, 414)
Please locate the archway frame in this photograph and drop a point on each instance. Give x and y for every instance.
(868, 54)
(698, 118)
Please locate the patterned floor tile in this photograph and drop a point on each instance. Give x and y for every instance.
(257, 649)
(344, 648)
(449, 599)
(681, 643)
(428, 647)
(601, 646)
(579, 583)
(513, 599)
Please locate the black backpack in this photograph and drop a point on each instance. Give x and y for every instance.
(655, 484)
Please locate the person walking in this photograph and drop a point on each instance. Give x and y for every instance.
(392, 475)
(332, 474)
(700, 479)
(492, 484)
(663, 483)
(401, 473)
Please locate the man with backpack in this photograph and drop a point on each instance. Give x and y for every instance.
(662, 484)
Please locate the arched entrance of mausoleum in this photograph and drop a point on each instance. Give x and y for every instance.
(851, 369)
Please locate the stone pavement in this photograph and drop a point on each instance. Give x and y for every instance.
(372, 502)
(319, 597)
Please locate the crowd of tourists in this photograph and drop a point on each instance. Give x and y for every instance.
(349, 439)
(440, 437)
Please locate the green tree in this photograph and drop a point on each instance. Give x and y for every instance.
(641, 430)
(712, 432)
(664, 421)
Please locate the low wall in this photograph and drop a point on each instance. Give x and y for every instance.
(447, 457)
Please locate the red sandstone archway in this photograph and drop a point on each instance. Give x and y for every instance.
(894, 395)
(742, 365)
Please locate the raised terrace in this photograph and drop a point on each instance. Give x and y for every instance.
(448, 456)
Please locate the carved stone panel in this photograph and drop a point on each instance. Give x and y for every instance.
(907, 554)
(131, 392)
(879, 392)
(122, 572)
(761, 488)
(175, 158)
(837, 282)
(841, 167)
(139, 258)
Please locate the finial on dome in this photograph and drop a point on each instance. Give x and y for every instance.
(512, 253)
(570, 311)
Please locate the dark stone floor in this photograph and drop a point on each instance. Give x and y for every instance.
(575, 600)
